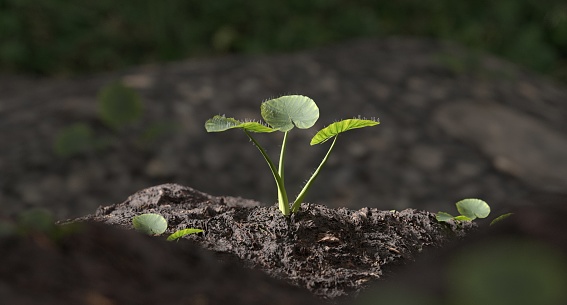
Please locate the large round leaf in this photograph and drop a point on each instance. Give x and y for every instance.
(283, 113)
(473, 208)
(340, 127)
(221, 123)
(151, 224)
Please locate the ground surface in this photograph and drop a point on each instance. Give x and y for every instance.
(95, 264)
(453, 125)
(331, 252)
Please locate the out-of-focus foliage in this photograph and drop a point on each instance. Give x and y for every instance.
(58, 37)
(121, 110)
(119, 105)
(503, 271)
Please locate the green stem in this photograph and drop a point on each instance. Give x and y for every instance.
(282, 194)
(297, 202)
(281, 165)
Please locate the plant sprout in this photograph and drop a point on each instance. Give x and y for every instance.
(283, 114)
(470, 210)
(155, 224)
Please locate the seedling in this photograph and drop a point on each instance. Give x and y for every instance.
(470, 209)
(283, 114)
(155, 224)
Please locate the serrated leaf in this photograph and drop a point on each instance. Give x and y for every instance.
(500, 218)
(151, 224)
(442, 216)
(220, 123)
(340, 127)
(181, 233)
(284, 113)
(473, 208)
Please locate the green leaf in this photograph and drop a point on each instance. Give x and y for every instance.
(340, 127)
(151, 224)
(119, 105)
(473, 208)
(220, 123)
(285, 112)
(181, 233)
(500, 218)
(442, 216)
(463, 218)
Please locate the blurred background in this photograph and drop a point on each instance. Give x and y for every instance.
(62, 38)
(99, 99)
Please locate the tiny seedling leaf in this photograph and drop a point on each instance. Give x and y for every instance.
(462, 218)
(500, 218)
(340, 127)
(473, 208)
(442, 216)
(285, 112)
(221, 123)
(181, 233)
(151, 224)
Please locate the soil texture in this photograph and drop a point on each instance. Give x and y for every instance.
(331, 252)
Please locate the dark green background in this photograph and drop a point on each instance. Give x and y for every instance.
(69, 37)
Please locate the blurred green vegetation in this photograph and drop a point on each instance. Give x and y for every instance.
(120, 111)
(62, 37)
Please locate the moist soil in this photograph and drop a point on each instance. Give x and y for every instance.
(333, 253)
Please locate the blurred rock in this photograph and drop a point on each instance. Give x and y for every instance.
(516, 143)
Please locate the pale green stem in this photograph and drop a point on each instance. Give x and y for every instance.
(282, 194)
(297, 202)
(281, 165)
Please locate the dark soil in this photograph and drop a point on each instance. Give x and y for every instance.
(331, 252)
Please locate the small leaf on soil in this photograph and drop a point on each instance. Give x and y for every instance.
(500, 218)
(182, 233)
(151, 224)
(463, 218)
(442, 216)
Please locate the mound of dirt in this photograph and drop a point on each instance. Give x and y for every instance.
(331, 252)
